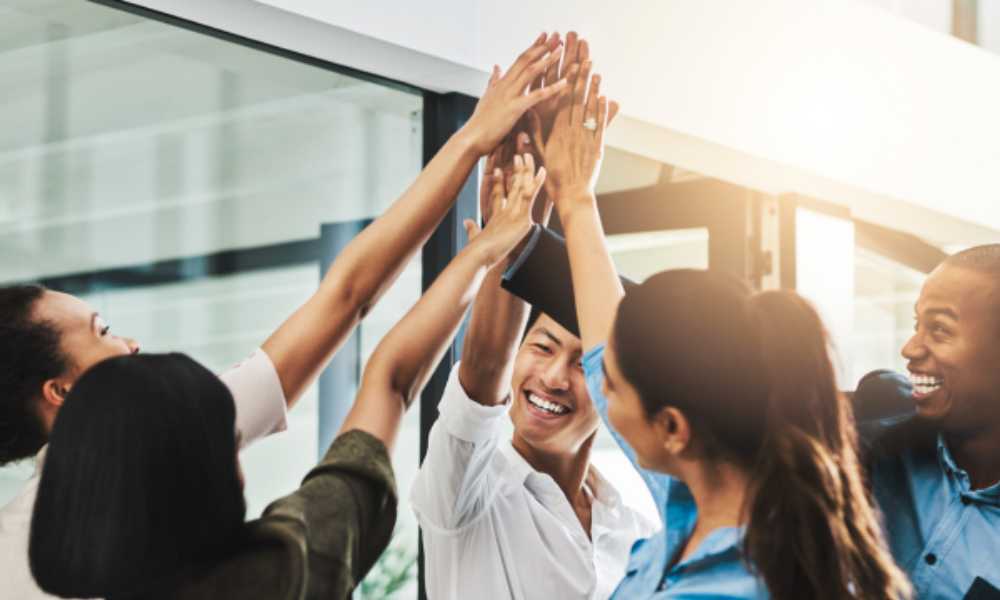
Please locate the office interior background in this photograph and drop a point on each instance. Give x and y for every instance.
(191, 177)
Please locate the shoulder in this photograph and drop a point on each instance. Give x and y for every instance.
(270, 563)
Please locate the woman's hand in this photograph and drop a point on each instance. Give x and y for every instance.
(506, 98)
(575, 147)
(510, 217)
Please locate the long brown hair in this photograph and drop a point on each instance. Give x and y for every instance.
(752, 374)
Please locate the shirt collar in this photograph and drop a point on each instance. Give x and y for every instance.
(989, 495)
(519, 470)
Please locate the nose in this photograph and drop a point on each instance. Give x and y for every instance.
(914, 348)
(556, 375)
(133, 346)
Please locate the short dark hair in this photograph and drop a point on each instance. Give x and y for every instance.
(985, 258)
(140, 479)
(30, 355)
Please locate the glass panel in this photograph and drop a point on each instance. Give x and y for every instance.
(824, 274)
(883, 312)
(125, 142)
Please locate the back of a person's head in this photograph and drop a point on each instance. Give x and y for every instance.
(687, 338)
(30, 354)
(753, 376)
(140, 479)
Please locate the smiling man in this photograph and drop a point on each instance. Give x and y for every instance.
(937, 476)
(526, 516)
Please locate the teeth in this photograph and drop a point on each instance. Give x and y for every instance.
(925, 384)
(552, 407)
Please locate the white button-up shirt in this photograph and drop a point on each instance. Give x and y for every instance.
(495, 528)
(260, 411)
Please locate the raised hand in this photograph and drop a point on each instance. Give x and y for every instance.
(575, 146)
(510, 213)
(505, 100)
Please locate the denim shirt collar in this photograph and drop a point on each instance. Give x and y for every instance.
(989, 495)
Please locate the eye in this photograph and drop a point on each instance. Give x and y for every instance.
(542, 348)
(105, 330)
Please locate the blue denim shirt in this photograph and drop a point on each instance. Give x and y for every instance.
(715, 570)
(943, 533)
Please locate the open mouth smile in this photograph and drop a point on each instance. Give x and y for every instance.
(925, 385)
(547, 407)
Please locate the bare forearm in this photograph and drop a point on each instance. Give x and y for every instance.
(372, 260)
(596, 287)
(365, 269)
(491, 341)
(403, 361)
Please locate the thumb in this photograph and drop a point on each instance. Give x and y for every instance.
(471, 229)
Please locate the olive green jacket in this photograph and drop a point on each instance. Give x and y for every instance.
(316, 543)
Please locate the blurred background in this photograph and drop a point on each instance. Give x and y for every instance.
(190, 168)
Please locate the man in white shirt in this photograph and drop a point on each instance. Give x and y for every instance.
(527, 517)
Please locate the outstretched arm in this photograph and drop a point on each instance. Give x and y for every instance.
(303, 344)
(404, 360)
(573, 154)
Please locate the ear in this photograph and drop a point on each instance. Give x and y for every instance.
(675, 431)
(54, 392)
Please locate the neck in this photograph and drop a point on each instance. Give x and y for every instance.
(568, 469)
(978, 455)
(719, 491)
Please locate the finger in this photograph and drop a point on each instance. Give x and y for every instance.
(471, 229)
(535, 186)
(549, 91)
(494, 76)
(552, 75)
(582, 50)
(569, 54)
(602, 121)
(528, 57)
(523, 143)
(579, 93)
(496, 198)
(534, 70)
(535, 131)
(529, 166)
(592, 95)
(552, 43)
(565, 106)
(612, 112)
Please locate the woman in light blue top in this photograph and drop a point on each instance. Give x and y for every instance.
(727, 404)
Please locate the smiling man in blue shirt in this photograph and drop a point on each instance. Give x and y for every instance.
(937, 475)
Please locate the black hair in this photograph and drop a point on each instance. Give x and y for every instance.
(985, 258)
(140, 479)
(753, 376)
(533, 315)
(30, 355)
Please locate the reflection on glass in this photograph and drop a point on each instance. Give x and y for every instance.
(883, 312)
(125, 142)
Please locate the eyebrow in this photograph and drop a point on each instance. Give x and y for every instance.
(549, 335)
(93, 318)
(938, 312)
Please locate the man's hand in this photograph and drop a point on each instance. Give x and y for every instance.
(504, 102)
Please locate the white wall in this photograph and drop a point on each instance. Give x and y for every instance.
(837, 99)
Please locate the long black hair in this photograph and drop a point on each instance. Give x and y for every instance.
(752, 374)
(140, 479)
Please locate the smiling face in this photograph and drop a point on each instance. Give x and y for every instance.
(954, 354)
(551, 409)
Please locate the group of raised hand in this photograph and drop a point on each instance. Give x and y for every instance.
(556, 119)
